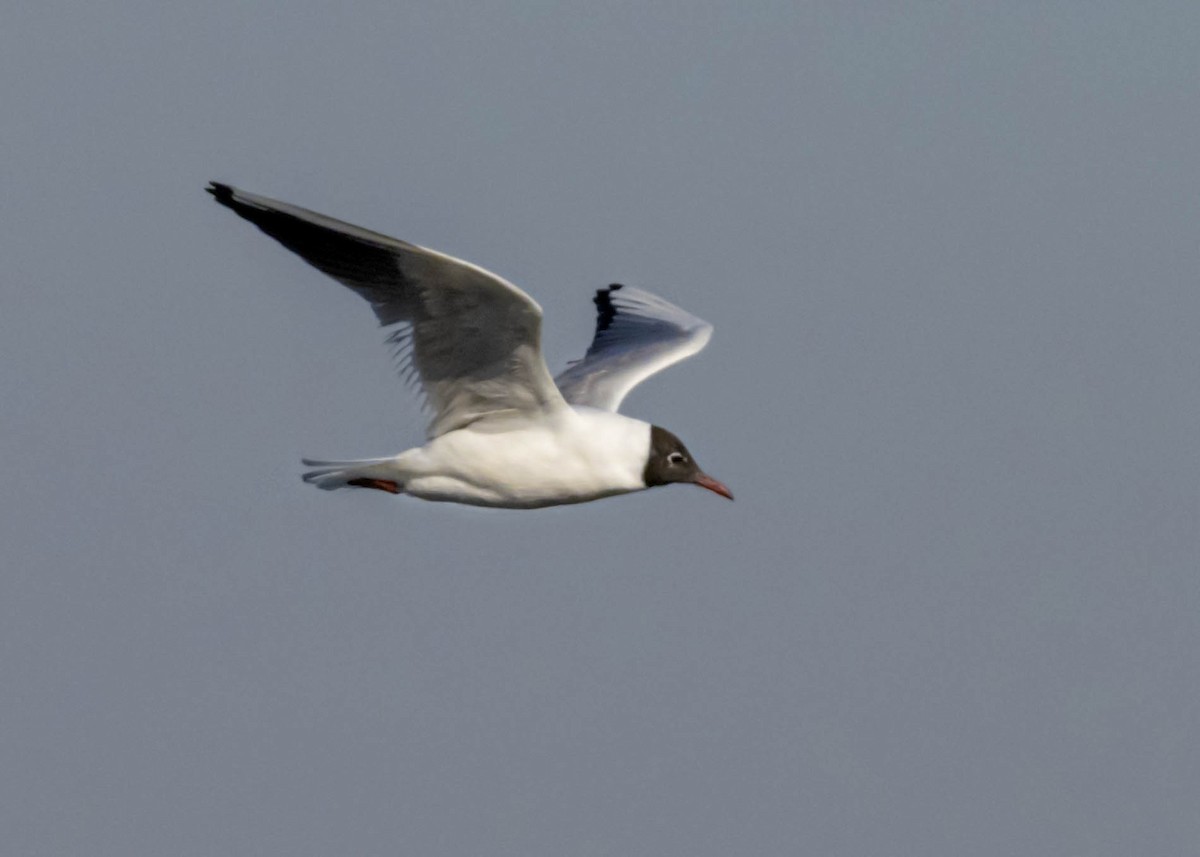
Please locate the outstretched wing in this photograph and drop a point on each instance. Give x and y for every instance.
(637, 335)
(472, 338)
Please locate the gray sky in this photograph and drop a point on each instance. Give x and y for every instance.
(950, 251)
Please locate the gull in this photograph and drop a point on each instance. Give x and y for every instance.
(503, 433)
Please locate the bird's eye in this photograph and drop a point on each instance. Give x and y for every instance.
(676, 458)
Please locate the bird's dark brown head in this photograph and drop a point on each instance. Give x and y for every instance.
(669, 461)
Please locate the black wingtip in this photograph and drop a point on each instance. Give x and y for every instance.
(606, 310)
(222, 193)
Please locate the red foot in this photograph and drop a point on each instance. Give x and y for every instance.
(380, 484)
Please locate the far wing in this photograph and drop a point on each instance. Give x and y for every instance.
(637, 335)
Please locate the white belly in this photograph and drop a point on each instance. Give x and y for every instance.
(582, 455)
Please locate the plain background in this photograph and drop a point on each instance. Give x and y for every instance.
(950, 251)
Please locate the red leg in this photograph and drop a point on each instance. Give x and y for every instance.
(380, 484)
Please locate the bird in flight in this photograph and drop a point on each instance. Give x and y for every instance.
(503, 433)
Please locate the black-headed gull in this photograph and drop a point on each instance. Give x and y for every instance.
(504, 433)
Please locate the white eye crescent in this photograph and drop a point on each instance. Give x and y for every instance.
(676, 458)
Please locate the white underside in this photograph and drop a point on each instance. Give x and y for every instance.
(575, 455)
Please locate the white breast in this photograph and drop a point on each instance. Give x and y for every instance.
(581, 455)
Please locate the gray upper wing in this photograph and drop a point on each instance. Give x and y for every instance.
(637, 335)
(472, 338)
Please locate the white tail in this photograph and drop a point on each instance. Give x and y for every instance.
(331, 475)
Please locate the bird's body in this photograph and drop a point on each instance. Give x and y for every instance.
(504, 433)
(576, 455)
